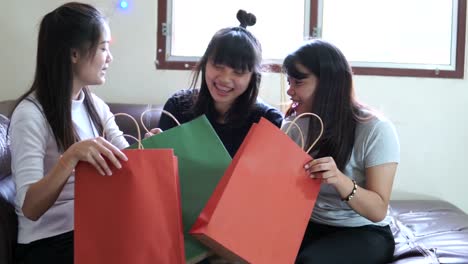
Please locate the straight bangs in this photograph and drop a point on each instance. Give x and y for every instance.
(290, 68)
(239, 57)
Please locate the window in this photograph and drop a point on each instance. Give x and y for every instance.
(424, 38)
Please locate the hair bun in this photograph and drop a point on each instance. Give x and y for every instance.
(246, 19)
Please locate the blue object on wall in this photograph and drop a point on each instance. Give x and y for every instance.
(123, 4)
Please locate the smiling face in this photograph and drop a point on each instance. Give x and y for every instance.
(225, 84)
(89, 69)
(301, 91)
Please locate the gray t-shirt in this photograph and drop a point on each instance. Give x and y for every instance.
(376, 143)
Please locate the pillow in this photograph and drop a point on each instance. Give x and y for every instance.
(7, 190)
(5, 156)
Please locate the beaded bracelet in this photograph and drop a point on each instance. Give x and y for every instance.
(353, 192)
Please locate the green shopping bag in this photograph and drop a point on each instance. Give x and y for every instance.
(203, 160)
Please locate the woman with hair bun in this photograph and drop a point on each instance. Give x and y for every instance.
(230, 80)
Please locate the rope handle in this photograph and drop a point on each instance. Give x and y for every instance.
(298, 129)
(140, 146)
(156, 110)
(321, 127)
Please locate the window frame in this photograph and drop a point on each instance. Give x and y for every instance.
(178, 63)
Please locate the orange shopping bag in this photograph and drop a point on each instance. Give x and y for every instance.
(133, 216)
(259, 211)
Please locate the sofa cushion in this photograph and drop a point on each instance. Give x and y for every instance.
(5, 157)
(429, 231)
(7, 189)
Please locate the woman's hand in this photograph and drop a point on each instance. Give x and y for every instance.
(370, 201)
(42, 195)
(94, 151)
(153, 132)
(324, 169)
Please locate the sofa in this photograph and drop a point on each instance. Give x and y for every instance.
(426, 231)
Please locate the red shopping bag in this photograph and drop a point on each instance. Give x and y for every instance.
(259, 211)
(133, 216)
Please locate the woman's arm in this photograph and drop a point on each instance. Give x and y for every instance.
(370, 201)
(42, 194)
(32, 147)
(379, 146)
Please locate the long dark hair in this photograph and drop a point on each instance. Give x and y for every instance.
(334, 98)
(70, 26)
(237, 48)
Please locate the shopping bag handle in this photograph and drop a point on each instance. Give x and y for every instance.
(298, 129)
(321, 127)
(140, 146)
(157, 110)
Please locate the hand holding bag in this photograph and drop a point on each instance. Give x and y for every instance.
(132, 216)
(203, 159)
(260, 209)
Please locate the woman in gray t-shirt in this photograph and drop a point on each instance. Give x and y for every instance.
(355, 159)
